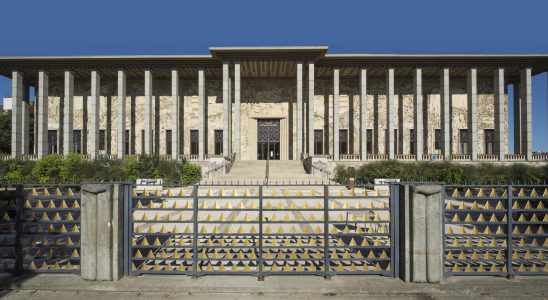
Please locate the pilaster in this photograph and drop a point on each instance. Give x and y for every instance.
(445, 98)
(526, 113)
(390, 113)
(419, 126)
(472, 112)
(68, 113)
(121, 128)
(363, 113)
(16, 112)
(43, 94)
(175, 115)
(93, 112)
(500, 117)
(311, 109)
(336, 99)
(149, 122)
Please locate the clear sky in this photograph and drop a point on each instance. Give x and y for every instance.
(99, 27)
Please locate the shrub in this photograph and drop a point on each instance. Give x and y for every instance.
(191, 173)
(70, 170)
(48, 169)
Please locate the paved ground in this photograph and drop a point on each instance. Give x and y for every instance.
(50, 286)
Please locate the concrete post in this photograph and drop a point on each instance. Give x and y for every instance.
(148, 113)
(121, 129)
(363, 114)
(472, 112)
(445, 98)
(43, 93)
(25, 133)
(202, 102)
(16, 112)
(526, 113)
(390, 113)
(226, 117)
(336, 98)
(517, 118)
(311, 109)
(237, 110)
(500, 116)
(93, 105)
(419, 133)
(421, 236)
(299, 121)
(175, 115)
(102, 234)
(68, 113)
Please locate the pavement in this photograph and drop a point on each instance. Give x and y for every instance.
(68, 286)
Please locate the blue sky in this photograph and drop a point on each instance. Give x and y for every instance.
(101, 27)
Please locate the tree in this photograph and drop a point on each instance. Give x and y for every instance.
(5, 131)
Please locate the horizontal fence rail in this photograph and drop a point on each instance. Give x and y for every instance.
(40, 228)
(496, 230)
(260, 230)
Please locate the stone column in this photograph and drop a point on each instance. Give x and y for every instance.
(16, 113)
(121, 129)
(390, 113)
(299, 121)
(500, 117)
(336, 113)
(445, 99)
(472, 112)
(43, 94)
(363, 113)
(202, 102)
(226, 117)
(93, 112)
(311, 108)
(526, 113)
(419, 132)
(175, 115)
(25, 133)
(102, 231)
(230, 148)
(148, 113)
(237, 121)
(68, 113)
(517, 118)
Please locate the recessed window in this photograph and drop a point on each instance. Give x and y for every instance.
(102, 139)
(318, 141)
(77, 141)
(343, 141)
(52, 141)
(218, 134)
(194, 142)
(412, 142)
(437, 139)
(463, 141)
(489, 136)
(168, 142)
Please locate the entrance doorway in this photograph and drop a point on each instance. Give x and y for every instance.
(268, 139)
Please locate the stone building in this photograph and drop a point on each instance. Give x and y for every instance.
(275, 102)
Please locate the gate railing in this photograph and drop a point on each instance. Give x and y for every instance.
(496, 230)
(40, 228)
(261, 230)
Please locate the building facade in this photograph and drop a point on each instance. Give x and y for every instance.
(276, 103)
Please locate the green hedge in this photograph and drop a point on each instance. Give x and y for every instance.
(447, 172)
(74, 169)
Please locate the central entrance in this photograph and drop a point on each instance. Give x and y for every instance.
(268, 139)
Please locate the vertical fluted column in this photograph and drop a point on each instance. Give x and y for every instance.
(226, 106)
(68, 113)
(237, 121)
(16, 112)
(526, 113)
(500, 116)
(43, 94)
(419, 132)
(93, 112)
(148, 113)
(472, 112)
(121, 128)
(311, 108)
(390, 112)
(445, 98)
(336, 98)
(175, 115)
(299, 126)
(202, 102)
(363, 113)
(25, 133)
(517, 118)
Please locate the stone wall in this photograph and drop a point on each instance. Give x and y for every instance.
(263, 98)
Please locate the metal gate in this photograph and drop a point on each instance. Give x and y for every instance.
(261, 230)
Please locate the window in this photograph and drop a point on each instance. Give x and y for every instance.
(194, 142)
(102, 139)
(437, 139)
(218, 135)
(489, 136)
(369, 134)
(463, 140)
(412, 142)
(168, 142)
(126, 146)
(143, 142)
(396, 142)
(318, 141)
(343, 141)
(52, 141)
(77, 141)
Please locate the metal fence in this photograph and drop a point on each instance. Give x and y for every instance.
(496, 230)
(261, 230)
(40, 228)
